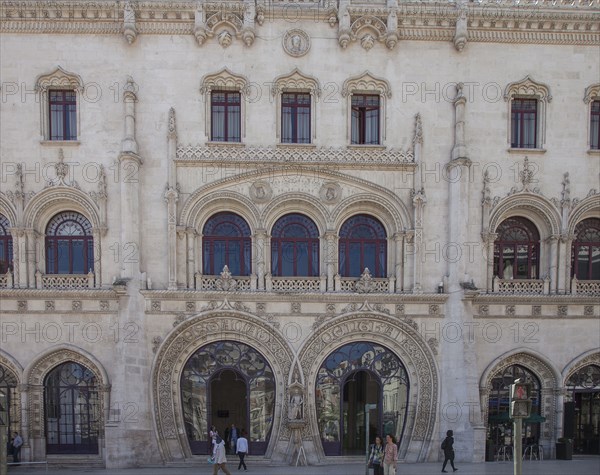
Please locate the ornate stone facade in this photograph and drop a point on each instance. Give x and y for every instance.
(146, 169)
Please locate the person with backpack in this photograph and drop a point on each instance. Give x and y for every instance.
(448, 451)
(376, 456)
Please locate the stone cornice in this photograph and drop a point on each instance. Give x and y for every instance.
(58, 294)
(566, 299)
(541, 23)
(297, 155)
(317, 297)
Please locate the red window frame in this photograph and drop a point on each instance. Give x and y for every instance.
(280, 240)
(348, 237)
(361, 105)
(55, 227)
(6, 256)
(595, 125)
(513, 233)
(212, 236)
(231, 104)
(588, 235)
(294, 105)
(63, 101)
(521, 111)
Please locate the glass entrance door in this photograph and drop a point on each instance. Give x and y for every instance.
(360, 389)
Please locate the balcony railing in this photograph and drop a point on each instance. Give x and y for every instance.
(210, 283)
(585, 287)
(6, 280)
(64, 281)
(521, 286)
(296, 284)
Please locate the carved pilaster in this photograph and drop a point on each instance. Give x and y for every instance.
(129, 28)
(190, 236)
(565, 242)
(171, 197)
(553, 264)
(31, 256)
(259, 256)
(331, 245)
(489, 239)
(419, 200)
(460, 148)
(399, 260)
(172, 148)
(129, 143)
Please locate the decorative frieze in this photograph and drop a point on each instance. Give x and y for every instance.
(303, 155)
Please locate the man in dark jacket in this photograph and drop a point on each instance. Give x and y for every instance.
(448, 451)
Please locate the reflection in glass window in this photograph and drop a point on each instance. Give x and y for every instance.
(585, 257)
(6, 246)
(241, 359)
(499, 424)
(69, 244)
(226, 241)
(9, 399)
(516, 249)
(346, 368)
(295, 247)
(363, 243)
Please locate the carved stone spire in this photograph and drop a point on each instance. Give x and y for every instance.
(460, 148)
(418, 135)
(172, 124)
(566, 191)
(129, 143)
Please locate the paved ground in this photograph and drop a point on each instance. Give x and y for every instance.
(580, 465)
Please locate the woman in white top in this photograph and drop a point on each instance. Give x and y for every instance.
(219, 457)
(242, 450)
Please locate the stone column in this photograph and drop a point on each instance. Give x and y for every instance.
(564, 263)
(331, 261)
(553, 264)
(259, 256)
(171, 197)
(31, 256)
(97, 258)
(190, 258)
(489, 239)
(399, 260)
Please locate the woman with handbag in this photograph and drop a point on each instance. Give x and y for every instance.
(390, 456)
(376, 456)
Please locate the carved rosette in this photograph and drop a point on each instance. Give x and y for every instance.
(397, 336)
(183, 341)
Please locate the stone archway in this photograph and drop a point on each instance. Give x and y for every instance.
(182, 342)
(34, 377)
(401, 338)
(548, 390)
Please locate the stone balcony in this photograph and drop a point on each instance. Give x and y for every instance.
(64, 281)
(585, 287)
(521, 286)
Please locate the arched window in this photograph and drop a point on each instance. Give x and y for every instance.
(585, 256)
(516, 251)
(69, 244)
(6, 246)
(9, 400)
(363, 243)
(72, 410)
(226, 241)
(295, 246)
(499, 423)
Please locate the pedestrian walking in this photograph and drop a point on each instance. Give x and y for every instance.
(376, 456)
(390, 455)
(448, 451)
(17, 443)
(242, 450)
(219, 457)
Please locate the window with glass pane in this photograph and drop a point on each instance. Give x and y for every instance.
(499, 424)
(9, 400)
(63, 115)
(72, 410)
(595, 125)
(226, 241)
(524, 123)
(6, 246)
(69, 244)
(585, 255)
(295, 247)
(365, 119)
(295, 118)
(225, 116)
(516, 249)
(363, 243)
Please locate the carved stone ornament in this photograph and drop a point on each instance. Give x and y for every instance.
(365, 284)
(226, 20)
(296, 42)
(330, 193)
(261, 192)
(296, 402)
(226, 282)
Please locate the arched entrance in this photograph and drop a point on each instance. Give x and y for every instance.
(361, 391)
(71, 410)
(500, 426)
(9, 400)
(582, 410)
(224, 383)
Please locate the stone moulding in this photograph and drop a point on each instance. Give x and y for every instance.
(546, 22)
(325, 155)
(182, 342)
